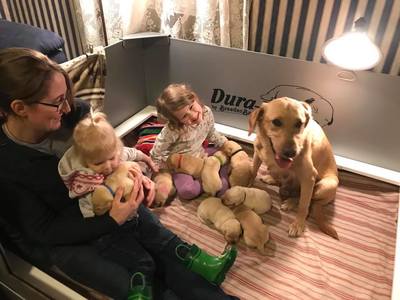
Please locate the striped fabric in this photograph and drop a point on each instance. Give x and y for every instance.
(314, 266)
(147, 135)
(54, 15)
(298, 29)
(87, 73)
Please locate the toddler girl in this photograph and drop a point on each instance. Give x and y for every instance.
(188, 124)
(95, 154)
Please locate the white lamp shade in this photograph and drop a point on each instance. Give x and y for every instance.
(352, 51)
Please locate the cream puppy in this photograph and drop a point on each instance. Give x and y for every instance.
(241, 169)
(212, 211)
(255, 233)
(102, 197)
(211, 181)
(185, 163)
(165, 188)
(257, 200)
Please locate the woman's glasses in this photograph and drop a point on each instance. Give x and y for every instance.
(58, 105)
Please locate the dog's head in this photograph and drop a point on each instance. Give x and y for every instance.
(282, 121)
(173, 161)
(231, 147)
(233, 196)
(231, 230)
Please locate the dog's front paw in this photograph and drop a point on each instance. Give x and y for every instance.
(296, 228)
(288, 204)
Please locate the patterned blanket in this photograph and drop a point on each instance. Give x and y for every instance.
(314, 266)
(87, 73)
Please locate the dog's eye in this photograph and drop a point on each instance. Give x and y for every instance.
(277, 122)
(298, 124)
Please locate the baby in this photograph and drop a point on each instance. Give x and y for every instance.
(96, 153)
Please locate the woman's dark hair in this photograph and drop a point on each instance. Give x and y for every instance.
(24, 75)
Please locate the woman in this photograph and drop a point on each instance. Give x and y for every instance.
(38, 115)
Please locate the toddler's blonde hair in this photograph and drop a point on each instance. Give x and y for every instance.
(95, 138)
(174, 97)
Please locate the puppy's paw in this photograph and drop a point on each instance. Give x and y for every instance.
(288, 204)
(268, 179)
(164, 192)
(159, 200)
(296, 228)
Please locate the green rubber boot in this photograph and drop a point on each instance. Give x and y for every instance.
(212, 268)
(140, 292)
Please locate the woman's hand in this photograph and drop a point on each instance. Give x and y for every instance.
(150, 190)
(134, 170)
(124, 210)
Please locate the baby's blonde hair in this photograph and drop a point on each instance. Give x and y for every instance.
(174, 97)
(95, 138)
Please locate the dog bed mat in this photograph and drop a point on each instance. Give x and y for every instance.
(314, 266)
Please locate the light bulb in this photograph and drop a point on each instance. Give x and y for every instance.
(352, 51)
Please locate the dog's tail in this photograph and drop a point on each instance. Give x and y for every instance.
(320, 219)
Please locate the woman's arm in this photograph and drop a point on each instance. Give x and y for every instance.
(44, 224)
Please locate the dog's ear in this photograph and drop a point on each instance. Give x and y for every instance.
(243, 194)
(308, 112)
(171, 162)
(254, 115)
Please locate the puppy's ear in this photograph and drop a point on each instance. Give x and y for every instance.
(171, 162)
(243, 195)
(308, 112)
(253, 118)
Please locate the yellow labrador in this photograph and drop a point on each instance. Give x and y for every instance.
(299, 158)
(257, 200)
(211, 211)
(255, 233)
